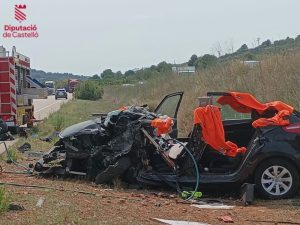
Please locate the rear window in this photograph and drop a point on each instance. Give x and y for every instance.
(49, 85)
(228, 113)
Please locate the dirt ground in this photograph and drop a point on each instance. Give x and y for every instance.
(105, 205)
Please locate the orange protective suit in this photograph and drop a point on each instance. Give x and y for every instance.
(280, 119)
(210, 120)
(245, 103)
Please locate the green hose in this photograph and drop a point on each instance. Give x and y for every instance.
(10, 159)
(196, 168)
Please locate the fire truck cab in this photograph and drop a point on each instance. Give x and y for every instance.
(17, 89)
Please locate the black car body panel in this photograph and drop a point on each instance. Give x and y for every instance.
(83, 127)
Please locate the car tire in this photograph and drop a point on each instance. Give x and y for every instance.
(276, 179)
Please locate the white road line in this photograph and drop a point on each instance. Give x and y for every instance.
(45, 107)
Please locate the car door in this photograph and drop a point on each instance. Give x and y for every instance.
(169, 106)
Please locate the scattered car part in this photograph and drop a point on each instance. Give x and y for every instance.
(247, 193)
(24, 147)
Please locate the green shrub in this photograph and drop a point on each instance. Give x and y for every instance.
(57, 120)
(89, 90)
(13, 155)
(4, 200)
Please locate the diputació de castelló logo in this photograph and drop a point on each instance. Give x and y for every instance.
(20, 14)
(22, 30)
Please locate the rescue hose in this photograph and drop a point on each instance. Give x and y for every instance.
(10, 159)
(196, 168)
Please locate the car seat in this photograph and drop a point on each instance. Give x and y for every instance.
(209, 130)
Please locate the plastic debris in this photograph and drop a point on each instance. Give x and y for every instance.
(226, 219)
(187, 194)
(179, 222)
(40, 202)
(213, 206)
(15, 207)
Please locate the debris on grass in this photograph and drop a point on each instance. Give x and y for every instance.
(178, 222)
(226, 219)
(24, 147)
(212, 205)
(40, 202)
(15, 207)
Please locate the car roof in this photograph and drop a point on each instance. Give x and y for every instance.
(61, 89)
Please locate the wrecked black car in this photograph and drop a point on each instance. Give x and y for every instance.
(235, 139)
(108, 147)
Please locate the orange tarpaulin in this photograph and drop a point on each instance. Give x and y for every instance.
(162, 125)
(280, 119)
(209, 118)
(245, 103)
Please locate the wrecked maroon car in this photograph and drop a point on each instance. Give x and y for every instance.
(235, 140)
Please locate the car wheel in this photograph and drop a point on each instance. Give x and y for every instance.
(276, 179)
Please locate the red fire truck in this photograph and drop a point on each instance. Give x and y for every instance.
(17, 89)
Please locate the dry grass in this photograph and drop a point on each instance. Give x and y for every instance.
(276, 78)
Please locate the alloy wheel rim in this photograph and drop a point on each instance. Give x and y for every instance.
(276, 180)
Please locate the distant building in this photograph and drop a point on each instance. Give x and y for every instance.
(251, 64)
(184, 69)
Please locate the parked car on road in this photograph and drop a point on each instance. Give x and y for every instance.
(61, 93)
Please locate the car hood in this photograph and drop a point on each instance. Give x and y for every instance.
(79, 127)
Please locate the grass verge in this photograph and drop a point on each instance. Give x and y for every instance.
(4, 200)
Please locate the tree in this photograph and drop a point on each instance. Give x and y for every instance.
(119, 74)
(206, 61)
(266, 43)
(95, 77)
(249, 56)
(243, 48)
(153, 67)
(164, 67)
(217, 48)
(192, 61)
(107, 73)
(129, 73)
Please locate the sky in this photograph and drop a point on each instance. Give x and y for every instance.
(86, 37)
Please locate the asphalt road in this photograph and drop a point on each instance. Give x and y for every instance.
(42, 109)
